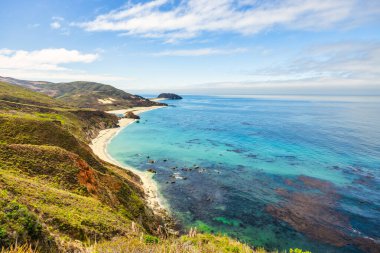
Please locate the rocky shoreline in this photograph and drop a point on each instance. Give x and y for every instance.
(153, 199)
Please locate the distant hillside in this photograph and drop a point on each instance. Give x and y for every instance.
(85, 94)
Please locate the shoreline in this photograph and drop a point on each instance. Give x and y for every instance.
(99, 147)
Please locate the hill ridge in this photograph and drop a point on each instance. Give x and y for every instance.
(85, 94)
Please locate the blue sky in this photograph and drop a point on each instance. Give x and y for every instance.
(196, 46)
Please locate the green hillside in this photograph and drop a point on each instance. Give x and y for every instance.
(80, 94)
(97, 95)
(85, 94)
(50, 175)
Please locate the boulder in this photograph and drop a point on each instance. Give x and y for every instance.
(131, 115)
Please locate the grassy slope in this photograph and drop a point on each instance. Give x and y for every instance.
(86, 94)
(47, 168)
(56, 194)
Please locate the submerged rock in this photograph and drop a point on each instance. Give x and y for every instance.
(152, 171)
(316, 213)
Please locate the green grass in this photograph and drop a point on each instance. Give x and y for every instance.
(16, 220)
(65, 170)
(87, 95)
(56, 165)
(48, 170)
(73, 94)
(24, 248)
(30, 130)
(204, 243)
(18, 94)
(64, 215)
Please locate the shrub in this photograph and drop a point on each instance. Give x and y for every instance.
(16, 220)
(297, 250)
(149, 239)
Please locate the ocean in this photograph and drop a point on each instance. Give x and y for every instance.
(273, 171)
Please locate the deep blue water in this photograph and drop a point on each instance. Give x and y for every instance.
(275, 172)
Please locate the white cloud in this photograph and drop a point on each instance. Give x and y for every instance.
(59, 76)
(55, 25)
(340, 68)
(47, 64)
(45, 59)
(200, 52)
(6, 51)
(163, 19)
(347, 61)
(58, 26)
(344, 68)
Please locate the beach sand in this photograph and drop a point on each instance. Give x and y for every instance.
(99, 147)
(157, 99)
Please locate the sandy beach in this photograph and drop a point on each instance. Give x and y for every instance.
(99, 147)
(157, 99)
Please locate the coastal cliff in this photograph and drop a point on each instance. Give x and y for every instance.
(55, 192)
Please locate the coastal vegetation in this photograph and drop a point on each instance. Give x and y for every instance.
(56, 194)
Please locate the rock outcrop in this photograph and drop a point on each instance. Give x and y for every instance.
(169, 96)
(131, 115)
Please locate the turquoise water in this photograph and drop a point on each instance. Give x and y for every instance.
(277, 172)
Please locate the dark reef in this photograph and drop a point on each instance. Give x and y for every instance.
(316, 213)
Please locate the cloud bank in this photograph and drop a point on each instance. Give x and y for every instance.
(45, 59)
(48, 64)
(188, 19)
(344, 68)
(340, 68)
(348, 61)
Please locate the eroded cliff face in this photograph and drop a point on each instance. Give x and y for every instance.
(95, 121)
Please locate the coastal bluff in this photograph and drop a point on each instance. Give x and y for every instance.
(169, 96)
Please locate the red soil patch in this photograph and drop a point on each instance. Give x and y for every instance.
(87, 176)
